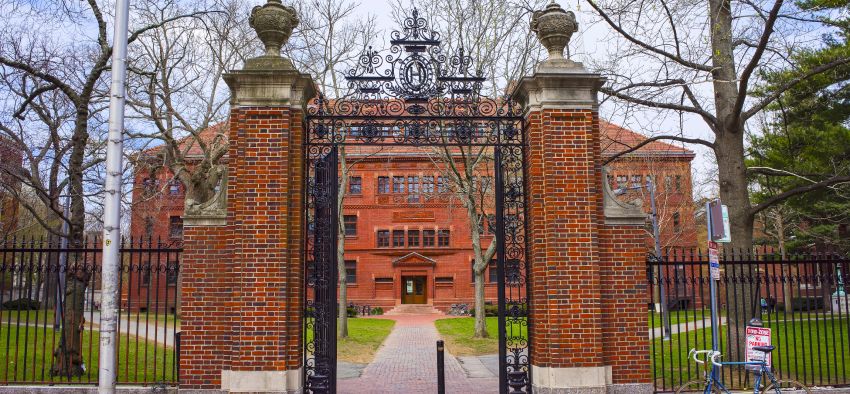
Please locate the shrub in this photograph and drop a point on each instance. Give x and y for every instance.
(377, 311)
(351, 311)
(22, 304)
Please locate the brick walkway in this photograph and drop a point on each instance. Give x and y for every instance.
(407, 363)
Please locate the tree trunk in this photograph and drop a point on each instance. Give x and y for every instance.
(729, 151)
(342, 323)
(68, 354)
(480, 314)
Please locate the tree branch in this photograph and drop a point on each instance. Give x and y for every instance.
(790, 84)
(660, 137)
(626, 35)
(754, 61)
(797, 191)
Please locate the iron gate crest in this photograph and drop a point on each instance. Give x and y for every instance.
(415, 95)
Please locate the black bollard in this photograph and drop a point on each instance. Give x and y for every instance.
(441, 368)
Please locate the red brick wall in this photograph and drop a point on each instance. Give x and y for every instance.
(207, 323)
(588, 279)
(563, 210)
(251, 266)
(623, 273)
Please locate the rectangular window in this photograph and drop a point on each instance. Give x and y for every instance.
(443, 238)
(413, 189)
(175, 227)
(350, 222)
(398, 184)
(145, 273)
(677, 223)
(481, 224)
(398, 238)
(668, 183)
(355, 185)
(428, 185)
(174, 188)
(442, 186)
(171, 270)
(493, 271)
(491, 224)
(637, 181)
(622, 181)
(413, 238)
(383, 184)
(678, 183)
(383, 238)
(350, 271)
(428, 238)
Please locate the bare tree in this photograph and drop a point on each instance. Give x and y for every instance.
(331, 38)
(62, 83)
(496, 36)
(701, 60)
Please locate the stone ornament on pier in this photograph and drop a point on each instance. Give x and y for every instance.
(554, 28)
(273, 23)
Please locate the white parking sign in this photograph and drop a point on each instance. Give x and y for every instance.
(757, 336)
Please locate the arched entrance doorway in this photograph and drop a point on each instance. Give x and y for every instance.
(415, 95)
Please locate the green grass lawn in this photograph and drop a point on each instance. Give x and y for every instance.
(365, 336)
(457, 333)
(29, 357)
(813, 355)
(28, 317)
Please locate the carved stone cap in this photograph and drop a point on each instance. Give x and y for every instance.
(618, 212)
(554, 28)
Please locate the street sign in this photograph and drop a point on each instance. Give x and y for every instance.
(727, 232)
(715, 221)
(758, 336)
(713, 260)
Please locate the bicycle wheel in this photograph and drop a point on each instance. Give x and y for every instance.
(696, 386)
(786, 386)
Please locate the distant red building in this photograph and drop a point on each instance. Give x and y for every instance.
(11, 160)
(408, 242)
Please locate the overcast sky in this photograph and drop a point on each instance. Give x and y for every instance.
(591, 41)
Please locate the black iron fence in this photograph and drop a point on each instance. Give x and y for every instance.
(802, 298)
(50, 315)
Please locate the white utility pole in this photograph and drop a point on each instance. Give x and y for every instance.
(112, 206)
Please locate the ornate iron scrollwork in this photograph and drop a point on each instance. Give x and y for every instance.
(416, 95)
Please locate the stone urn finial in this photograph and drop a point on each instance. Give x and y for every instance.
(554, 28)
(273, 23)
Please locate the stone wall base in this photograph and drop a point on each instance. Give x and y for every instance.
(262, 381)
(582, 380)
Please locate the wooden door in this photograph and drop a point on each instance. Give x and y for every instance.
(413, 290)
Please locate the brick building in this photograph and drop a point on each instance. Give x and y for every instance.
(12, 160)
(407, 240)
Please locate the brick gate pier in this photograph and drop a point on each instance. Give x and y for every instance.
(243, 276)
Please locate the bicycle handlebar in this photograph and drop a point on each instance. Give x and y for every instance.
(694, 353)
(714, 356)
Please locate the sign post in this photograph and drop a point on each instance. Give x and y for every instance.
(717, 231)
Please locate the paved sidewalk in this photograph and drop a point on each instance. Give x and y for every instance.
(407, 363)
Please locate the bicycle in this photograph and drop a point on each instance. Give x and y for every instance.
(711, 384)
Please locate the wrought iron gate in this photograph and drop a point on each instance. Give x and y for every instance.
(415, 95)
